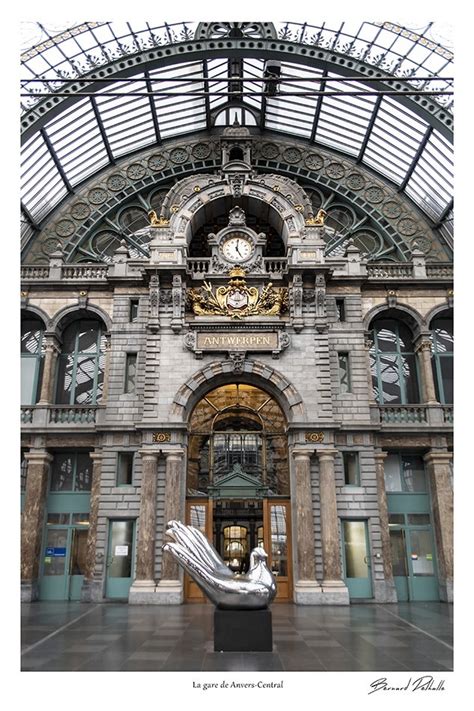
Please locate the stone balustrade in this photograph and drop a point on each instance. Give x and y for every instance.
(26, 414)
(403, 414)
(85, 271)
(72, 414)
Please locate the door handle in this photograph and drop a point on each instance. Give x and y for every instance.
(367, 561)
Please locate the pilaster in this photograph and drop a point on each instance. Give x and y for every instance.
(439, 469)
(385, 590)
(307, 590)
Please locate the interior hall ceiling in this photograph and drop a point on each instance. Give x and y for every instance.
(375, 95)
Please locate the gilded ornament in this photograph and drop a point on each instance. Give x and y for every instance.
(161, 437)
(237, 300)
(314, 437)
(156, 221)
(317, 221)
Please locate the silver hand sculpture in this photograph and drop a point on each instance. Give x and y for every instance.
(253, 591)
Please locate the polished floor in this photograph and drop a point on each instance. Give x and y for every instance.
(69, 636)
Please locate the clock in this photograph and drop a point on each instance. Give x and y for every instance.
(237, 247)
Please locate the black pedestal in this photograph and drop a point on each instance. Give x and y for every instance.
(243, 631)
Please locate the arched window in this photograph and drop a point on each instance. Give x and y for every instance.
(442, 340)
(81, 364)
(393, 363)
(32, 355)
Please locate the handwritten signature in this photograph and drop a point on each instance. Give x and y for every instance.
(422, 683)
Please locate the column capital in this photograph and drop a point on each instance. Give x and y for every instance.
(149, 453)
(173, 454)
(441, 457)
(326, 453)
(96, 456)
(380, 456)
(38, 456)
(423, 343)
(302, 453)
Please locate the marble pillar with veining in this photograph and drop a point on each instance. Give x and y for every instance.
(91, 547)
(32, 521)
(385, 591)
(439, 469)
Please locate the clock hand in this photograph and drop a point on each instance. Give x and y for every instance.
(237, 248)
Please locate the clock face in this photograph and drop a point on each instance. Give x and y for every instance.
(238, 248)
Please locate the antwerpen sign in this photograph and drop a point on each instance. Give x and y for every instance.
(234, 341)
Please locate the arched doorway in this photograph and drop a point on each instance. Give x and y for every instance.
(237, 486)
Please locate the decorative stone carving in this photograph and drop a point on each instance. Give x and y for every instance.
(320, 295)
(292, 155)
(65, 228)
(80, 210)
(201, 151)
(374, 194)
(116, 182)
(391, 209)
(314, 161)
(97, 196)
(269, 151)
(406, 226)
(136, 171)
(179, 155)
(178, 302)
(156, 162)
(335, 171)
(355, 181)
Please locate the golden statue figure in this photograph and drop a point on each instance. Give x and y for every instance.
(156, 221)
(317, 221)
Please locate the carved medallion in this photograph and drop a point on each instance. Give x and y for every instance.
(270, 150)
(116, 182)
(80, 211)
(335, 170)
(407, 226)
(374, 194)
(97, 196)
(314, 161)
(179, 155)
(391, 209)
(136, 171)
(201, 151)
(355, 181)
(292, 155)
(156, 162)
(65, 228)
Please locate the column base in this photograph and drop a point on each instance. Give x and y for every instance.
(335, 592)
(146, 592)
(446, 593)
(29, 591)
(92, 591)
(307, 592)
(385, 591)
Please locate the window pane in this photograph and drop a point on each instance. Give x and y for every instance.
(413, 474)
(133, 316)
(124, 468)
(344, 380)
(24, 471)
(31, 335)
(396, 519)
(83, 472)
(78, 552)
(446, 365)
(279, 540)
(55, 519)
(64, 388)
(418, 519)
(386, 336)
(399, 559)
(56, 541)
(28, 380)
(409, 375)
(131, 368)
(355, 549)
(351, 468)
(421, 553)
(443, 335)
(120, 540)
(84, 385)
(393, 480)
(390, 379)
(63, 473)
(80, 519)
(87, 336)
(197, 515)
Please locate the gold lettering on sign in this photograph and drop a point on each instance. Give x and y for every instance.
(235, 341)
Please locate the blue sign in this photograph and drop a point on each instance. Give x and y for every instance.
(56, 552)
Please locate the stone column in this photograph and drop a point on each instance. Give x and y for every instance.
(32, 521)
(52, 351)
(439, 469)
(144, 583)
(428, 391)
(385, 590)
(334, 588)
(87, 592)
(170, 587)
(306, 585)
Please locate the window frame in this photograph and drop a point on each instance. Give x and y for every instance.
(345, 454)
(130, 357)
(76, 354)
(377, 353)
(346, 355)
(38, 358)
(437, 357)
(404, 489)
(130, 467)
(74, 454)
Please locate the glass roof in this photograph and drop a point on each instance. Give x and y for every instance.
(347, 114)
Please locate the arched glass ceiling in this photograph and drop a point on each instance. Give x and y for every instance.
(315, 101)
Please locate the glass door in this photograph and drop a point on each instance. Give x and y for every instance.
(357, 568)
(199, 515)
(277, 543)
(120, 559)
(413, 557)
(54, 579)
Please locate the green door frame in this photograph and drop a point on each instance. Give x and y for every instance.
(117, 587)
(360, 586)
(65, 586)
